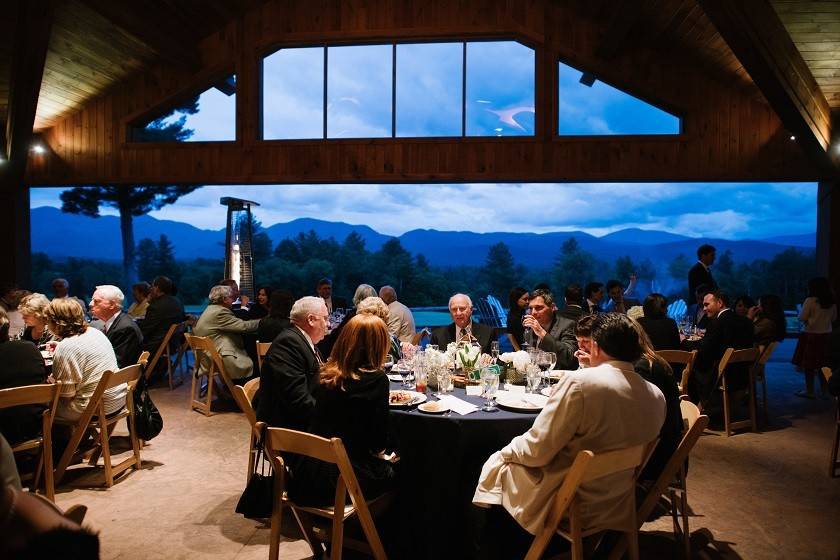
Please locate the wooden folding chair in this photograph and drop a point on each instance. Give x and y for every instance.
(281, 440)
(672, 479)
(208, 363)
(244, 396)
(588, 467)
(834, 464)
(262, 350)
(165, 349)
(94, 417)
(680, 357)
(731, 356)
(46, 394)
(764, 353)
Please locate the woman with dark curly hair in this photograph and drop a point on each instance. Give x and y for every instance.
(80, 359)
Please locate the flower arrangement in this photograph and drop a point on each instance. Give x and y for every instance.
(467, 356)
(519, 360)
(408, 350)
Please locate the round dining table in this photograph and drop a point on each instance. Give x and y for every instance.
(440, 461)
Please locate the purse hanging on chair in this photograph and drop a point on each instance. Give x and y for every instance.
(256, 501)
(147, 419)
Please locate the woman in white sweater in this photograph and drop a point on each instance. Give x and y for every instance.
(601, 408)
(80, 359)
(812, 349)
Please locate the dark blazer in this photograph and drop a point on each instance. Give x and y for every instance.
(160, 315)
(20, 364)
(728, 330)
(571, 311)
(663, 332)
(697, 276)
(442, 336)
(126, 338)
(288, 380)
(559, 339)
(671, 433)
(270, 327)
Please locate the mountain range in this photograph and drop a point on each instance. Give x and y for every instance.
(69, 235)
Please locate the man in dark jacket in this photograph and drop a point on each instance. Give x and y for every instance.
(124, 334)
(699, 274)
(547, 330)
(163, 311)
(462, 326)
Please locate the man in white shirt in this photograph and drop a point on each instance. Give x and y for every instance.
(400, 319)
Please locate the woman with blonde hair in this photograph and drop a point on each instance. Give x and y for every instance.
(351, 404)
(80, 359)
(33, 309)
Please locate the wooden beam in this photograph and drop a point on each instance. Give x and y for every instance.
(759, 40)
(32, 24)
(157, 32)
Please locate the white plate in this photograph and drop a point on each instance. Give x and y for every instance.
(416, 398)
(522, 403)
(394, 377)
(433, 407)
(548, 391)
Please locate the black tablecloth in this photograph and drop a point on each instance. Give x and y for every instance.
(441, 459)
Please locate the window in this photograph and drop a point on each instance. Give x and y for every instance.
(600, 109)
(209, 116)
(405, 90)
(500, 89)
(359, 91)
(293, 94)
(429, 89)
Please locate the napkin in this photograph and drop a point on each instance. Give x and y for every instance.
(514, 388)
(457, 405)
(473, 390)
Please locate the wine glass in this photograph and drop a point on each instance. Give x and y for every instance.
(532, 379)
(489, 386)
(543, 361)
(525, 336)
(494, 350)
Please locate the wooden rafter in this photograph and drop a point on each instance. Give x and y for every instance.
(758, 38)
(162, 36)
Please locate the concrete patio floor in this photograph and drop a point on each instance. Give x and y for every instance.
(753, 496)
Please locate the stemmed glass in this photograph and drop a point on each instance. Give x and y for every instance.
(489, 385)
(494, 350)
(552, 361)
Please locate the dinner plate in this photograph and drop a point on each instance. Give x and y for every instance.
(410, 398)
(395, 377)
(433, 407)
(548, 391)
(522, 403)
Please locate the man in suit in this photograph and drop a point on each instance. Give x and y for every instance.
(164, 310)
(726, 329)
(573, 309)
(700, 275)
(226, 329)
(290, 371)
(462, 326)
(594, 294)
(124, 334)
(332, 302)
(400, 318)
(547, 330)
(619, 302)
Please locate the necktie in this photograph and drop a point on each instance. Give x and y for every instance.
(463, 332)
(318, 355)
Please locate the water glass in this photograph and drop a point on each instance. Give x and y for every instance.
(532, 379)
(489, 386)
(494, 350)
(444, 381)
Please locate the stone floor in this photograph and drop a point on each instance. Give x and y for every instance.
(753, 496)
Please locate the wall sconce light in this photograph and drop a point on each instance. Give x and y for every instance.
(38, 149)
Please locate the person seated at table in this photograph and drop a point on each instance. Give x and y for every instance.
(462, 328)
(619, 302)
(593, 295)
(726, 329)
(164, 310)
(32, 309)
(695, 311)
(120, 328)
(225, 329)
(517, 302)
(324, 290)
(743, 304)
(572, 297)
(362, 291)
(547, 330)
(400, 319)
(261, 307)
(351, 404)
(20, 364)
(377, 306)
(140, 292)
(80, 359)
(278, 316)
(605, 407)
(289, 373)
(661, 329)
(768, 319)
(61, 290)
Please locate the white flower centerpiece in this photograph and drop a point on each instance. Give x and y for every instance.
(436, 361)
(516, 364)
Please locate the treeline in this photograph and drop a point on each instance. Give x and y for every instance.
(298, 263)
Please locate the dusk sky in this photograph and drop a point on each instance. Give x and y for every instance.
(499, 100)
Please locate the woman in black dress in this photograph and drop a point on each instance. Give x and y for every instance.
(517, 302)
(351, 404)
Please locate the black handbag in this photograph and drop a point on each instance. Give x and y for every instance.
(257, 500)
(147, 419)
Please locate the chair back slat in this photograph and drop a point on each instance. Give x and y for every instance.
(292, 441)
(251, 389)
(604, 464)
(45, 393)
(262, 350)
(127, 374)
(765, 353)
(241, 398)
(690, 414)
(827, 373)
(164, 345)
(745, 355)
(677, 356)
(143, 359)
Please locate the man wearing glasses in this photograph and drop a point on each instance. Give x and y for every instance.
(290, 372)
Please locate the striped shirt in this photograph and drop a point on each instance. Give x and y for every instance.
(79, 363)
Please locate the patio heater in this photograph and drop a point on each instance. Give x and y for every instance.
(239, 262)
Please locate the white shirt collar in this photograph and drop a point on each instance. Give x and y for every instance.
(307, 337)
(110, 321)
(703, 264)
(721, 312)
